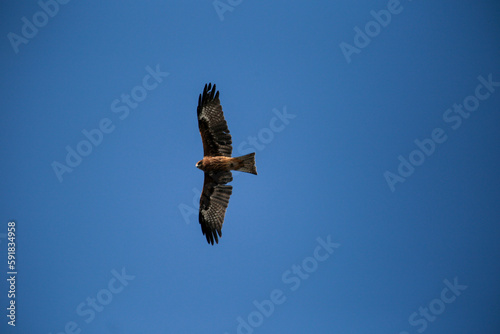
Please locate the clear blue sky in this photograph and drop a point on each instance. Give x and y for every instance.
(375, 127)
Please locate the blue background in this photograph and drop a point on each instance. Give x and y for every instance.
(131, 203)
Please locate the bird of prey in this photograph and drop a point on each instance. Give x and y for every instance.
(216, 163)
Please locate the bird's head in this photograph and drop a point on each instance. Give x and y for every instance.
(199, 164)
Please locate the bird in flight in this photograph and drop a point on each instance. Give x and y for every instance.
(217, 163)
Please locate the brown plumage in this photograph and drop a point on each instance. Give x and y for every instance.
(217, 163)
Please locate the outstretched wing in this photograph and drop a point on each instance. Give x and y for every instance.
(213, 204)
(213, 127)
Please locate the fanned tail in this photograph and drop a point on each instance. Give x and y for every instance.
(246, 164)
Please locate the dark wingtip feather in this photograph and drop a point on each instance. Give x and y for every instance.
(209, 239)
(211, 236)
(209, 93)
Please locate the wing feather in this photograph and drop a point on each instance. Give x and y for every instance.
(213, 204)
(213, 127)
